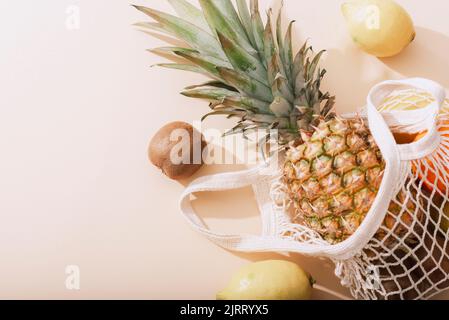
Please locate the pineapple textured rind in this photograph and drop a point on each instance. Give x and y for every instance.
(333, 177)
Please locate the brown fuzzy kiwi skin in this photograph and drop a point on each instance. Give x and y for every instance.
(433, 269)
(161, 146)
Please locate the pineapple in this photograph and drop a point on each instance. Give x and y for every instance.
(333, 177)
(333, 167)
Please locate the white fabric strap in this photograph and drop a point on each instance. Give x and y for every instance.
(230, 181)
(415, 121)
(249, 243)
(380, 126)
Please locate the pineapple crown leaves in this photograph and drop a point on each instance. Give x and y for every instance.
(254, 74)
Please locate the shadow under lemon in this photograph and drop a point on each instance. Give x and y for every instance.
(425, 57)
(351, 74)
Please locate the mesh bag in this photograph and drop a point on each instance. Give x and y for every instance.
(400, 251)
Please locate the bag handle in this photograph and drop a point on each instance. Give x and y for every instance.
(380, 126)
(230, 181)
(416, 121)
(250, 243)
(346, 249)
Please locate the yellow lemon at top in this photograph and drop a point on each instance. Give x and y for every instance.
(269, 280)
(379, 27)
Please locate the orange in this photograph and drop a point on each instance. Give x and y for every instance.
(434, 175)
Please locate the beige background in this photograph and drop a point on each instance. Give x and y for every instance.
(77, 109)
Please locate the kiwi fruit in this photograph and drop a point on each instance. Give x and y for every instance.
(427, 267)
(173, 149)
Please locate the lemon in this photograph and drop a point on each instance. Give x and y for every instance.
(409, 99)
(406, 100)
(269, 280)
(379, 27)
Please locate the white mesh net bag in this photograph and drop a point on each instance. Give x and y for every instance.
(401, 249)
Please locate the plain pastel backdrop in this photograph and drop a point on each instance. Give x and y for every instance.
(77, 110)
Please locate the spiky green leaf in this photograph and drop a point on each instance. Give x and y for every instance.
(228, 113)
(281, 87)
(241, 60)
(269, 46)
(222, 16)
(190, 13)
(164, 51)
(287, 54)
(199, 60)
(262, 118)
(279, 39)
(298, 63)
(313, 65)
(248, 103)
(245, 18)
(211, 94)
(329, 105)
(280, 107)
(258, 31)
(216, 84)
(245, 84)
(190, 33)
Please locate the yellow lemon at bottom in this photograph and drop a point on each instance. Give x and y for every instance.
(269, 280)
